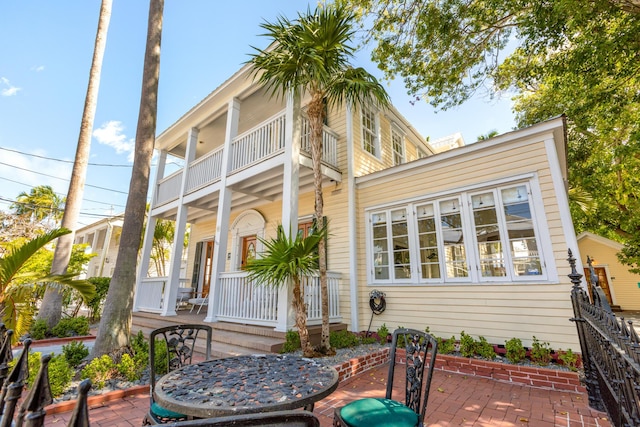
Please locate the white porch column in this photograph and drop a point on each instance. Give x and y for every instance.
(171, 291)
(147, 242)
(290, 189)
(224, 212)
(351, 220)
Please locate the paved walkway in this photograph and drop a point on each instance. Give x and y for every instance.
(455, 401)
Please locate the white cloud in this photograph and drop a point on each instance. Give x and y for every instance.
(37, 68)
(7, 88)
(111, 134)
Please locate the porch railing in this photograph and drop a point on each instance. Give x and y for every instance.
(205, 170)
(329, 142)
(169, 188)
(242, 301)
(150, 293)
(313, 298)
(610, 353)
(258, 143)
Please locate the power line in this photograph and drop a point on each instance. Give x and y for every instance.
(64, 161)
(62, 179)
(32, 206)
(63, 195)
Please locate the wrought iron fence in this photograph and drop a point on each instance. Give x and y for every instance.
(610, 352)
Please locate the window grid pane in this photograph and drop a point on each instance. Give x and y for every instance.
(428, 241)
(522, 241)
(487, 231)
(400, 241)
(369, 132)
(398, 146)
(455, 256)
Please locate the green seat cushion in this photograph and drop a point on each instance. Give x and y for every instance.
(378, 412)
(161, 412)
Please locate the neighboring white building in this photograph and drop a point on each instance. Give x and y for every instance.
(447, 143)
(103, 238)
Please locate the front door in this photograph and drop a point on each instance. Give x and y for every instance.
(248, 250)
(601, 272)
(208, 267)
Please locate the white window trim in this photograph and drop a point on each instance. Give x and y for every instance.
(543, 240)
(376, 117)
(395, 129)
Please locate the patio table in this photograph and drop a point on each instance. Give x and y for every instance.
(245, 384)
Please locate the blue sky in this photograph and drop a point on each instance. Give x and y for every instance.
(45, 56)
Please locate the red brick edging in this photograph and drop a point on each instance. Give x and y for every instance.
(537, 377)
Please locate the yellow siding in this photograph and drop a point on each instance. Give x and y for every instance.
(497, 312)
(625, 285)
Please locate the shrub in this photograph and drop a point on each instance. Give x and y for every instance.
(540, 352)
(60, 374)
(515, 351)
(484, 349)
(569, 359)
(71, 326)
(291, 343)
(343, 339)
(127, 368)
(96, 303)
(75, 352)
(447, 346)
(161, 359)
(99, 370)
(140, 350)
(39, 330)
(383, 334)
(467, 345)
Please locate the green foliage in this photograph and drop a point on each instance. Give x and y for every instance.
(485, 349)
(39, 330)
(97, 301)
(75, 352)
(569, 359)
(99, 370)
(140, 348)
(343, 339)
(383, 333)
(447, 346)
(468, 345)
(161, 358)
(34, 366)
(515, 350)
(127, 368)
(60, 374)
(291, 343)
(71, 326)
(540, 352)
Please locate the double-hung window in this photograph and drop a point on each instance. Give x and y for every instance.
(480, 236)
(397, 142)
(370, 139)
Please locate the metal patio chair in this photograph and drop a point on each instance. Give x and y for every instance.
(174, 345)
(421, 349)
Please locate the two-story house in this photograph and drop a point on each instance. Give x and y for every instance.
(474, 238)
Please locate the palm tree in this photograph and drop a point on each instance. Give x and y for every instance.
(52, 302)
(287, 259)
(311, 54)
(115, 324)
(41, 204)
(17, 285)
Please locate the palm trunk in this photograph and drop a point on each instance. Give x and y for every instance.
(301, 318)
(316, 116)
(115, 324)
(51, 307)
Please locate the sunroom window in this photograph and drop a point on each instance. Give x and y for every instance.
(484, 236)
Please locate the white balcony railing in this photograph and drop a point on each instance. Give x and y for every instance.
(258, 143)
(242, 302)
(313, 298)
(149, 295)
(205, 170)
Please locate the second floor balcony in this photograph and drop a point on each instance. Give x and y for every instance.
(260, 144)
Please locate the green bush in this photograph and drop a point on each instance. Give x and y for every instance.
(96, 303)
(99, 370)
(569, 359)
(39, 330)
(127, 368)
(291, 343)
(468, 345)
(383, 333)
(75, 352)
(140, 349)
(60, 374)
(343, 339)
(447, 346)
(161, 360)
(540, 352)
(71, 326)
(515, 350)
(484, 349)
